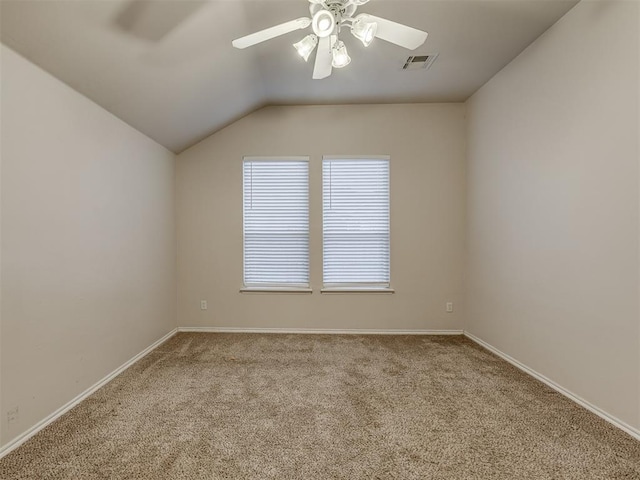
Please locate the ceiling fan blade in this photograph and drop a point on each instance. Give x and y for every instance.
(149, 20)
(323, 68)
(403, 35)
(269, 33)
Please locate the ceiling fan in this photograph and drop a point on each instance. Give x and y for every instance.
(328, 18)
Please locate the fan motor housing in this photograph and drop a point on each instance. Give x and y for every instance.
(337, 7)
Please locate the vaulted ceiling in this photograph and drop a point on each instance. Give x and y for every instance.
(167, 67)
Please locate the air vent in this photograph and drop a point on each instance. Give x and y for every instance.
(420, 62)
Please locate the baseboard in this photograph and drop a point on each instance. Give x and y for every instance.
(319, 331)
(20, 439)
(634, 432)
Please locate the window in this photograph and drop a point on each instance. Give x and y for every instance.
(276, 222)
(355, 222)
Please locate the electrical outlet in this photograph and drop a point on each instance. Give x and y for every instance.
(203, 304)
(449, 307)
(13, 415)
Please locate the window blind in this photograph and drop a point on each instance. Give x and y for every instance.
(355, 222)
(276, 222)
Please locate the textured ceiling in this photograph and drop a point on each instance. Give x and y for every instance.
(167, 67)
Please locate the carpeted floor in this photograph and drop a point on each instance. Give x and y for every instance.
(244, 406)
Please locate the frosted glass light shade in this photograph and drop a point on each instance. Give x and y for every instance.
(364, 29)
(340, 56)
(306, 46)
(323, 23)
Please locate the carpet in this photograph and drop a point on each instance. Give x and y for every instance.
(249, 406)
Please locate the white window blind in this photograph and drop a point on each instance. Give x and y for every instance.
(355, 222)
(276, 222)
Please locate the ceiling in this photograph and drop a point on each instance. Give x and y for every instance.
(167, 67)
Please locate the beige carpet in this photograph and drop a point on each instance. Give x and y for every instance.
(223, 406)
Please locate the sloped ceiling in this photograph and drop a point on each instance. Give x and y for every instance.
(167, 67)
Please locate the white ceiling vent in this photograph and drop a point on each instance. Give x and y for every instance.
(420, 62)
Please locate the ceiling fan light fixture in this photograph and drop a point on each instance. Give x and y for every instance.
(364, 29)
(306, 46)
(340, 56)
(323, 23)
(327, 19)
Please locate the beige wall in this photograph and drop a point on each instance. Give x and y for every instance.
(2, 410)
(426, 145)
(553, 207)
(88, 243)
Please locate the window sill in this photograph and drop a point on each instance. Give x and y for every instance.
(358, 290)
(276, 290)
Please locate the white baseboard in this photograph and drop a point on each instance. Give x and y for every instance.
(23, 437)
(634, 432)
(318, 331)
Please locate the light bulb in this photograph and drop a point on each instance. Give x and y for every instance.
(324, 24)
(306, 46)
(340, 56)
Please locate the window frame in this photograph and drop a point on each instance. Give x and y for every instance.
(360, 287)
(277, 287)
